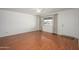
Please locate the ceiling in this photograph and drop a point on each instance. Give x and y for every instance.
(32, 11)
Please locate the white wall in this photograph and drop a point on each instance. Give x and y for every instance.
(68, 22)
(38, 22)
(13, 23)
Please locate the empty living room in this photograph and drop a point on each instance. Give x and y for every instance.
(39, 28)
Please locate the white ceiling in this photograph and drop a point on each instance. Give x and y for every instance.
(32, 11)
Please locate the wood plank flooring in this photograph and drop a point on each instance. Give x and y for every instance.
(37, 41)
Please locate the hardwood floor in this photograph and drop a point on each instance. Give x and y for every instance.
(37, 41)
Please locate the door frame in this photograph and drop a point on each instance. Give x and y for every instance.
(55, 23)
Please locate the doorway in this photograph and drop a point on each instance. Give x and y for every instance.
(49, 24)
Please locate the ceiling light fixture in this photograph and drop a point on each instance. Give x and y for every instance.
(38, 10)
